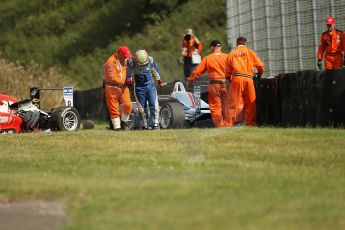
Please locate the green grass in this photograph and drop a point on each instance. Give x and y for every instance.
(238, 178)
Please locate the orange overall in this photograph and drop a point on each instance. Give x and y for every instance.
(116, 90)
(240, 68)
(214, 64)
(332, 43)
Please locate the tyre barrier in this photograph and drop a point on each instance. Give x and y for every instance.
(267, 104)
(332, 98)
(290, 100)
(309, 82)
(307, 98)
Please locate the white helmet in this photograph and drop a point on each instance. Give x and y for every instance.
(141, 57)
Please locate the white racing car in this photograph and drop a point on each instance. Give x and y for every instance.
(180, 109)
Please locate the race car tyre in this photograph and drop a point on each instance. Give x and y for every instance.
(87, 124)
(65, 119)
(172, 116)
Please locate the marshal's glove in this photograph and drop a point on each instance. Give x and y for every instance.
(189, 83)
(258, 76)
(223, 90)
(160, 83)
(319, 64)
(129, 82)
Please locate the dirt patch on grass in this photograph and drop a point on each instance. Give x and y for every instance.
(32, 215)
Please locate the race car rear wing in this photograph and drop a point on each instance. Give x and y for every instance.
(67, 95)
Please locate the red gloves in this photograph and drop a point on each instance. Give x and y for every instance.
(129, 82)
(160, 83)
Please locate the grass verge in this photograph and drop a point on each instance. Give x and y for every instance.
(238, 178)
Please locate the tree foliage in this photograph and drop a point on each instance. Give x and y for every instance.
(77, 36)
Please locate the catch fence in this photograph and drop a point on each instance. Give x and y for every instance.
(284, 33)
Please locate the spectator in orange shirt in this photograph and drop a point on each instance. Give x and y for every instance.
(189, 45)
(214, 64)
(332, 43)
(116, 90)
(240, 65)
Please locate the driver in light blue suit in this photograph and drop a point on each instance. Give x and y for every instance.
(142, 71)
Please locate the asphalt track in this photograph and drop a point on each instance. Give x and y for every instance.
(32, 215)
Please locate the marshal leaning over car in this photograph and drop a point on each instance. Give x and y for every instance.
(214, 64)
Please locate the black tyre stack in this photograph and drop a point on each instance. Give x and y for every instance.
(309, 82)
(290, 98)
(304, 99)
(267, 103)
(332, 98)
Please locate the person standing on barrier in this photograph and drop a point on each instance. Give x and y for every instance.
(191, 48)
(214, 64)
(116, 90)
(240, 65)
(142, 72)
(332, 44)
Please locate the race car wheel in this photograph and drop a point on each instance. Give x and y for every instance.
(172, 115)
(65, 119)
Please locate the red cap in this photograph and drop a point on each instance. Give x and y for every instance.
(330, 20)
(124, 50)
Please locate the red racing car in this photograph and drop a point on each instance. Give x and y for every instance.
(23, 116)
